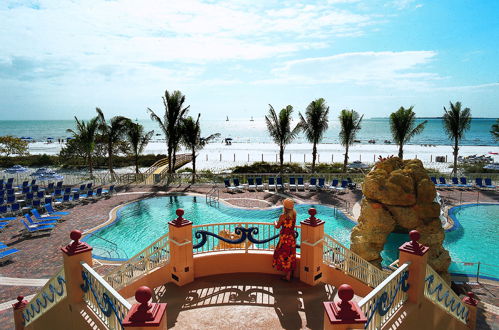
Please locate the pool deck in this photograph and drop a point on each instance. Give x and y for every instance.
(39, 258)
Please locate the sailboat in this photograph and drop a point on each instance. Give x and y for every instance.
(227, 118)
(251, 118)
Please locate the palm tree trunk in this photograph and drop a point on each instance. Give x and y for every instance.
(110, 160)
(346, 160)
(281, 158)
(137, 163)
(401, 151)
(90, 165)
(456, 149)
(193, 166)
(174, 160)
(169, 160)
(314, 155)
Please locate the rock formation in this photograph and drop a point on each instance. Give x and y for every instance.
(399, 195)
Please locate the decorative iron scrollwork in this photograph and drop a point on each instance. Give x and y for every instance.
(459, 309)
(36, 306)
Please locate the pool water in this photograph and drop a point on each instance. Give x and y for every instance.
(140, 223)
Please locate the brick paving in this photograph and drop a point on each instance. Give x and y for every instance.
(41, 257)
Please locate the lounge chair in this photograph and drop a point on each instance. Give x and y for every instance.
(89, 185)
(111, 191)
(81, 189)
(352, 185)
(322, 184)
(300, 185)
(292, 183)
(50, 210)
(464, 182)
(6, 255)
(259, 184)
(46, 222)
(57, 193)
(228, 187)
(488, 184)
(34, 188)
(35, 229)
(333, 185)
(344, 185)
(271, 185)
(40, 217)
(59, 185)
(479, 183)
(98, 193)
(50, 187)
(455, 182)
(10, 180)
(251, 184)
(313, 184)
(67, 190)
(14, 208)
(66, 199)
(237, 185)
(279, 185)
(75, 199)
(443, 183)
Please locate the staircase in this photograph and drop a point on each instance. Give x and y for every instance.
(157, 172)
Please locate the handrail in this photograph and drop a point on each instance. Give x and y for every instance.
(382, 302)
(339, 256)
(37, 307)
(449, 301)
(107, 304)
(154, 255)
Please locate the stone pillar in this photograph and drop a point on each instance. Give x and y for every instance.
(345, 314)
(73, 254)
(145, 315)
(471, 303)
(181, 256)
(417, 254)
(312, 238)
(18, 309)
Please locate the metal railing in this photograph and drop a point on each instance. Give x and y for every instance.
(381, 303)
(153, 256)
(477, 269)
(51, 293)
(243, 236)
(441, 294)
(107, 304)
(339, 256)
(213, 196)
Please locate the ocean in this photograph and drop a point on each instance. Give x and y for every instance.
(248, 131)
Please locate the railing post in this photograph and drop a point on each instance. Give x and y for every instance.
(18, 309)
(345, 314)
(145, 315)
(312, 238)
(417, 254)
(471, 303)
(182, 259)
(73, 254)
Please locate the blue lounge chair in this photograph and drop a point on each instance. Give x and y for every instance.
(271, 185)
(5, 219)
(479, 183)
(66, 199)
(292, 183)
(67, 190)
(89, 185)
(50, 187)
(313, 184)
(36, 229)
(228, 187)
(251, 184)
(8, 185)
(455, 182)
(50, 210)
(44, 217)
(343, 187)
(46, 222)
(6, 255)
(98, 193)
(443, 183)
(33, 182)
(279, 185)
(300, 185)
(57, 193)
(10, 180)
(259, 184)
(322, 184)
(464, 183)
(351, 184)
(36, 203)
(333, 185)
(59, 185)
(11, 199)
(76, 198)
(111, 190)
(238, 186)
(488, 183)
(81, 189)
(14, 208)
(34, 188)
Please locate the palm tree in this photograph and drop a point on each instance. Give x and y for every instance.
(112, 133)
(85, 134)
(170, 124)
(314, 124)
(138, 140)
(350, 125)
(402, 125)
(456, 122)
(191, 139)
(495, 130)
(279, 128)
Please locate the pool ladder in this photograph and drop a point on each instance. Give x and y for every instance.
(115, 249)
(213, 196)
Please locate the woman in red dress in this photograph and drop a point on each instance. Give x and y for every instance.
(285, 251)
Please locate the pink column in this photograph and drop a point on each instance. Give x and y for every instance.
(417, 254)
(73, 254)
(471, 303)
(312, 238)
(145, 315)
(18, 309)
(345, 314)
(181, 257)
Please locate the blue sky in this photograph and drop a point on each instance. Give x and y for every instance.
(64, 58)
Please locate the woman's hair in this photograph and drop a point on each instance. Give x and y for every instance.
(289, 207)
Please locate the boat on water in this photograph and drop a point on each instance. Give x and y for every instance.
(227, 118)
(252, 119)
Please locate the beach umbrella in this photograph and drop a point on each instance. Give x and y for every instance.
(41, 171)
(16, 169)
(494, 167)
(357, 164)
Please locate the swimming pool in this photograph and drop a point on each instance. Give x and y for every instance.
(140, 223)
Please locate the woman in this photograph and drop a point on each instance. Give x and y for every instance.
(285, 251)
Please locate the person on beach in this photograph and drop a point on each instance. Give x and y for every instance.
(285, 251)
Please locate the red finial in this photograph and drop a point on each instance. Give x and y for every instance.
(345, 311)
(180, 221)
(415, 236)
(144, 314)
(413, 246)
(143, 295)
(312, 220)
(345, 292)
(77, 246)
(470, 299)
(180, 212)
(21, 303)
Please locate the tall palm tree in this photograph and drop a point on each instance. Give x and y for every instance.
(170, 124)
(402, 125)
(191, 139)
(112, 133)
(315, 123)
(350, 125)
(85, 134)
(138, 140)
(495, 130)
(279, 127)
(456, 122)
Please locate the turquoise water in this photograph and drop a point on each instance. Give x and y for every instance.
(140, 223)
(256, 131)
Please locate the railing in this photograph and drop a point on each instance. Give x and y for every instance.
(236, 236)
(448, 300)
(148, 175)
(155, 255)
(51, 293)
(339, 256)
(107, 304)
(381, 303)
(213, 196)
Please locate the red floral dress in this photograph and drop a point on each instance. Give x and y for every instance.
(285, 252)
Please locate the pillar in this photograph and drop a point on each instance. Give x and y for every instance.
(417, 254)
(312, 238)
(145, 315)
(181, 256)
(73, 254)
(18, 309)
(471, 303)
(345, 314)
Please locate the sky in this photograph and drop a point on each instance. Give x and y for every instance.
(60, 59)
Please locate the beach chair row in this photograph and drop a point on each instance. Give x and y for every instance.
(462, 183)
(294, 184)
(6, 253)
